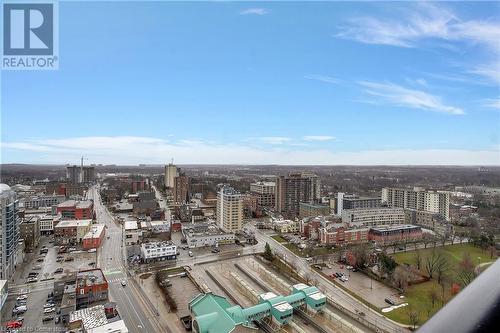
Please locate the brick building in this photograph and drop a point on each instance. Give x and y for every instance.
(78, 210)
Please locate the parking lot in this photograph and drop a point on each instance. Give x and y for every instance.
(35, 279)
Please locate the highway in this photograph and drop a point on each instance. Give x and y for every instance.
(111, 259)
(336, 294)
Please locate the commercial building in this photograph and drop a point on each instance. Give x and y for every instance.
(37, 201)
(371, 217)
(80, 174)
(47, 223)
(91, 287)
(94, 237)
(229, 209)
(213, 313)
(132, 233)
(295, 188)
(171, 172)
(78, 210)
(394, 233)
(355, 202)
(418, 198)
(29, 231)
(313, 209)
(9, 231)
(181, 189)
(265, 192)
(340, 233)
(429, 220)
(158, 251)
(206, 234)
(71, 231)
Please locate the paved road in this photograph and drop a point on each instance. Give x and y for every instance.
(132, 308)
(338, 295)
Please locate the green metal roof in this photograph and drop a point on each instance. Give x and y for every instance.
(294, 297)
(255, 309)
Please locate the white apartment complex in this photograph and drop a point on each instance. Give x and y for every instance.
(418, 198)
(171, 172)
(370, 217)
(229, 209)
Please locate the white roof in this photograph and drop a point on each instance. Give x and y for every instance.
(131, 225)
(90, 317)
(317, 296)
(73, 223)
(267, 296)
(283, 306)
(114, 327)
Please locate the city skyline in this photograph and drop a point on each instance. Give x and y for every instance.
(262, 83)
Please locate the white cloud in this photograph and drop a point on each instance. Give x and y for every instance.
(318, 138)
(322, 78)
(254, 11)
(428, 22)
(401, 96)
(135, 150)
(492, 103)
(273, 140)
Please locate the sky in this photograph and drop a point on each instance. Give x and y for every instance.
(325, 83)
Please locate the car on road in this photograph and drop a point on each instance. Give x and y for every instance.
(91, 250)
(59, 270)
(390, 301)
(49, 310)
(190, 253)
(14, 324)
(69, 259)
(58, 319)
(47, 318)
(124, 283)
(215, 250)
(344, 279)
(31, 280)
(91, 263)
(40, 259)
(37, 267)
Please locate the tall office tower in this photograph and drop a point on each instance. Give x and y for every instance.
(265, 192)
(295, 188)
(181, 189)
(340, 203)
(229, 209)
(418, 198)
(9, 231)
(171, 172)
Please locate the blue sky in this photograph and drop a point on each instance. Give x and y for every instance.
(262, 83)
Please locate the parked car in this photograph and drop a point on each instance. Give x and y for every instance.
(59, 270)
(91, 250)
(69, 259)
(31, 280)
(47, 318)
(48, 305)
(124, 283)
(49, 310)
(91, 263)
(22, 297)
(13, 324)
(37, 267)
(390, 301)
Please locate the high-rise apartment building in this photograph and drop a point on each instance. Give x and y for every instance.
(265, 192)
(9, 231)
(171, 172)
(418, 198)
(181, 189)
(80, 174)
(295, 188)
(229, 209)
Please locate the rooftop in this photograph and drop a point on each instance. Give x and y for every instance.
(113, 327)
(90, 277)
(73, 223)
(95, 231)
(395, 227)
(75, 203)
(90, 317)
(131, 225)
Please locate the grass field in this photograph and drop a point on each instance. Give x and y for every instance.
(418, 295)
(279, 239)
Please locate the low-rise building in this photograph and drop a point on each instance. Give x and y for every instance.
(395, 233)
(285, 226)
(307, 209)
(71, 231)
(91, 286)
(29, 230)
(158, 251)
(94, 237)
(371, 217)
(206, 234)
(78, 210)
(37, 201)
(340, 233)
(47, 223)
(429, 220)
(132, 233)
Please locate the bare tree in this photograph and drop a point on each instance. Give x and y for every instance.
(412, 315)
(426, 239)
(417, 259)
(400, 277)
(431, 261)
(442, 267)
(492, 250)
(466, 272)
(433, 296)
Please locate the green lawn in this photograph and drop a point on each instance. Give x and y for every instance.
(418, 295)
(279, 239)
